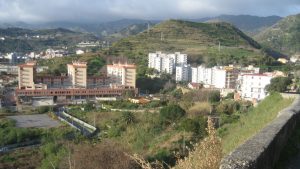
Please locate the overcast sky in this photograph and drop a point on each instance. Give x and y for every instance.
(105, 10)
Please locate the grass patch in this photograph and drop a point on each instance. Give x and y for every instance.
(250, 123)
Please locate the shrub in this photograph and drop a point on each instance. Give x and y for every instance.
(228, 107)
(197, 126)
(171, 113)
(279, 84)
(43, 109)
(214, 97)
(128, 117)
(89, 106)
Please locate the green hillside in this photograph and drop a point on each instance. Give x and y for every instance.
(26, 40)
(199, 40)
(251, 25)
(284, 36)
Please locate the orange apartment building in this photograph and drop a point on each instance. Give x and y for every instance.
(120, 78)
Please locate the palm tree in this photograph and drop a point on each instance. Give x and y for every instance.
(128, 117)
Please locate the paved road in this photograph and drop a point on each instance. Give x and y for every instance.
(37, 120)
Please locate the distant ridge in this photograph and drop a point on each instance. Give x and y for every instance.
(283, 36)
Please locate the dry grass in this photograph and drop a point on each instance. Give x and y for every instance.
(199, 108)
(206, 155)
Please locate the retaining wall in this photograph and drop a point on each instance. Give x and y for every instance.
(262, 150)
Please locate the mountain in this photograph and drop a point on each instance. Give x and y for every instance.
(247, 23)
(284, 36)
(131, 30)
(100, 29)
(26, 40)
(199, 40)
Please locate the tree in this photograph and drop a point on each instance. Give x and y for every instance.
(128, 117)
(279, 84)
(214, 97)
(171, 113)
(89, 106)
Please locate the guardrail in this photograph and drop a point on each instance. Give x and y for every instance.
(263, 150)
(85, 128)
(11, 147)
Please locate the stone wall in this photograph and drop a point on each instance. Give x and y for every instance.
(263, 150)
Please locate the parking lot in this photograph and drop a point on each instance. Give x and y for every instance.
(38, 121)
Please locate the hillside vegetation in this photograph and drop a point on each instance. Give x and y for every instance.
(251, 25)
(199, 40)
(283, 36)
(25, 40)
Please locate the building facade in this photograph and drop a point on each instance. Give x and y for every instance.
(252, 86)
(183, 73)
(166, 63)
(76, 85)
(77, 72)
(122, 74)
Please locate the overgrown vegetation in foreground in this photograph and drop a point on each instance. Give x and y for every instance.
(234, 134)
(165, 134)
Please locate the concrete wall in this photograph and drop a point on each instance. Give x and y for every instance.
(262, 150)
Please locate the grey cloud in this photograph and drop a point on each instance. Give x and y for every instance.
(103, 10)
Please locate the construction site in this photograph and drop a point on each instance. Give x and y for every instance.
(75, 87)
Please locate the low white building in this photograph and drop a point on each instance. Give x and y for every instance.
(79, 52)
(252, 86)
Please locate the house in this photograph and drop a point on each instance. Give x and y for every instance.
(194, 86)
(139, 100)
(79, 52)
(282, 60)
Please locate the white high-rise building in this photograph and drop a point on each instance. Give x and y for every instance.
(194, 71)
(183, 73)
(163, 62)
(180, 58)
(205, 75)
(167, 65)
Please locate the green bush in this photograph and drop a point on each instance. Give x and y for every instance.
(128, 117)
(171, 113)
(228, 107)
(214, 97)
(197, 126)
(9, 134)
(279, 84)
(43, 109)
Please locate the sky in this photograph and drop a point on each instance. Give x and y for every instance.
(105, 10)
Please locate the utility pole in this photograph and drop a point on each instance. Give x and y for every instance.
(148, 27)
(219, 46)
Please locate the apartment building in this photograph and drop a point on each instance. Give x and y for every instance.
(225, 77)
(122, 74)
(76, 85)
(26, 75)
(166, 63)
(183, 73)
(252, 86)
(219, 77)
(77, 72)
